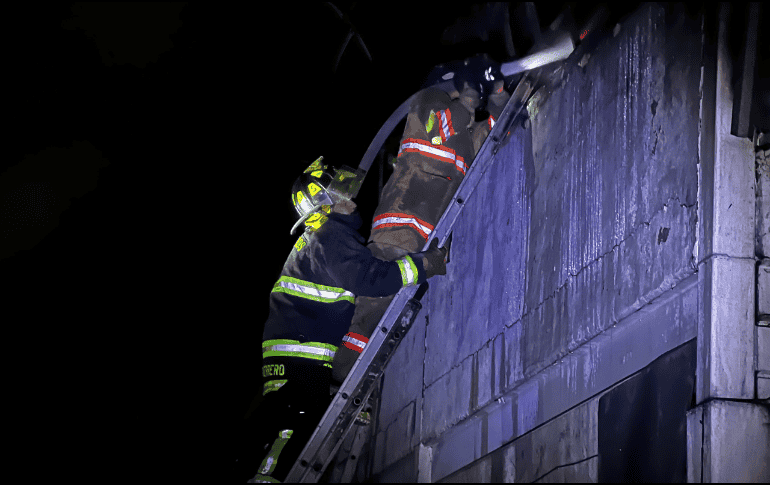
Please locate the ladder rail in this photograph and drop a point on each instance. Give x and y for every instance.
(353, 393)
(340, 416)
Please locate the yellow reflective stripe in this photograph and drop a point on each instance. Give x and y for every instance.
(431, 119)
(312, 291)
(271, 460)
(413, 267)
(263, 479)
(299, 351)
(408, 271)
(292, 348)
(403, 272)
(320, 345)
(274, 385)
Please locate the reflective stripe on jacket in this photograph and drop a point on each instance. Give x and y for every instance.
(438, 152)
(292, 348)
(355, 341)
(312, 303)
(408, 271)
(396, 219)
(306, 289)
(447, 130)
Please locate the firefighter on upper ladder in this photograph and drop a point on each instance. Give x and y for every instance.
(440, 141)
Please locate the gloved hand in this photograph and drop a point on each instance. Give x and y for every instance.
(434, 259)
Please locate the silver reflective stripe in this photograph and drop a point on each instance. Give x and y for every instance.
(273, 385)
(460, 165)
(449, 156)
(271, 460)
(354, 341)
(302, 349)
(312, 291)
(408, 271)
(403, 220)
(445, 124)
(331, 295)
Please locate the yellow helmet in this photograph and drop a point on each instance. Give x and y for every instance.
(319, 188)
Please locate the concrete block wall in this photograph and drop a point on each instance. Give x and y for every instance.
(573, 266)
(762, 159)
(563, 450)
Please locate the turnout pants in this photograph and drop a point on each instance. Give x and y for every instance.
(439, 143)
(285, 419)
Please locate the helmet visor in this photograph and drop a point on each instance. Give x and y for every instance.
(347, 182)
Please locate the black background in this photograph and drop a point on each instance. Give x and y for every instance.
(146, 209)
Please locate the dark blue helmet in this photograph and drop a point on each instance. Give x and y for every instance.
(480, 72)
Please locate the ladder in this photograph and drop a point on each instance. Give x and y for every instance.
(353, 394)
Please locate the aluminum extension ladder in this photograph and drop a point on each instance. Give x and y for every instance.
(353, 394)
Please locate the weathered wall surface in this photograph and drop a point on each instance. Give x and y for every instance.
(584, 218)
(614, 186)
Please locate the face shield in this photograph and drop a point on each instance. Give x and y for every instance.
(346, 183)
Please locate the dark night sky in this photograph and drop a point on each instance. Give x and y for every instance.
(150, 156)
(146, 199)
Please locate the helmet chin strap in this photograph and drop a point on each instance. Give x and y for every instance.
(304, 218)
(344, 207)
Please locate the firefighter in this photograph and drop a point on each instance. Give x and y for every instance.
(311, 307)
(440, 140)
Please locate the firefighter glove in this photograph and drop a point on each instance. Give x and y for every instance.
(435, 259)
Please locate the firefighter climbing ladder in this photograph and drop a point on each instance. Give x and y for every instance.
(355, 391)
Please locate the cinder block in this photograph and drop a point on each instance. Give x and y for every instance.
(763, 286)
(726, 330)
(499, 363)
(402, 381)
(444, 306)
(403, 471)
(512, 352)
(479, 472)
(509, 464)
(694, 445)
(483, 378)
(527, 405)
(399, 435)
(582, 472)
(763, 203)
(570, 438)
(447, 400)
(728, 441)
(424, 463)
(763, 348)
(763, 385)
(734, 197)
